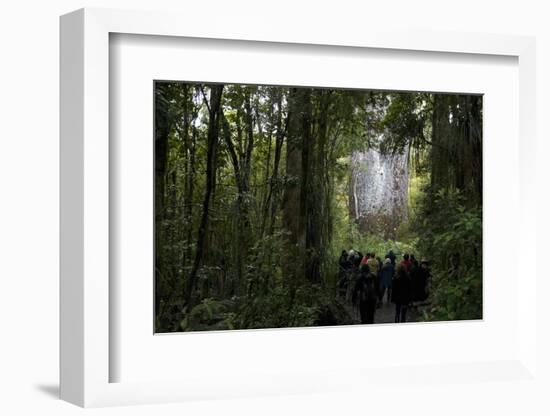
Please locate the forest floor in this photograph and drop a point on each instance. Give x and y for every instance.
(386, 314)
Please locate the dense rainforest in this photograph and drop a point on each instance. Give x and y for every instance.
(258, 190)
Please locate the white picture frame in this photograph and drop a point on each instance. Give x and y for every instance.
(85, 355)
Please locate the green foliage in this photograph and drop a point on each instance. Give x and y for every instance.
(451, 234)
(210, 314)
(352, 238)
(405, 122)
(310, 307)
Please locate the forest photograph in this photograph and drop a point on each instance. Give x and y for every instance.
(284, 206)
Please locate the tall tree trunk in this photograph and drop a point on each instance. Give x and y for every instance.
(315, 191)
(291, 194)
(212, 138)
(439, 153)
(457, 144)
(185, 152)
(240, 195)
(294, 197)
(474, 160)
(274, 187)
(246, 164)
(191, 187)
(268, 187)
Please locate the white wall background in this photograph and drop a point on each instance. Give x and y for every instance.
(29, 116)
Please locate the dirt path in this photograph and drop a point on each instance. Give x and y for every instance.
(386, 314)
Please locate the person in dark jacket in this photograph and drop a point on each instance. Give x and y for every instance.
(401, 293)
(380, 264)
(343, 261)
(417, 286)
(386, 279)
(364, 294)
(391, 256)
(357, 259)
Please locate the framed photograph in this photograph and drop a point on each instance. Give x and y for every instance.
(280, 206)
(237, 209)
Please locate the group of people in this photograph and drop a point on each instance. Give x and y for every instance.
(366, 281)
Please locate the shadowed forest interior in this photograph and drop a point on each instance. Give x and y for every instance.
(296, 206)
